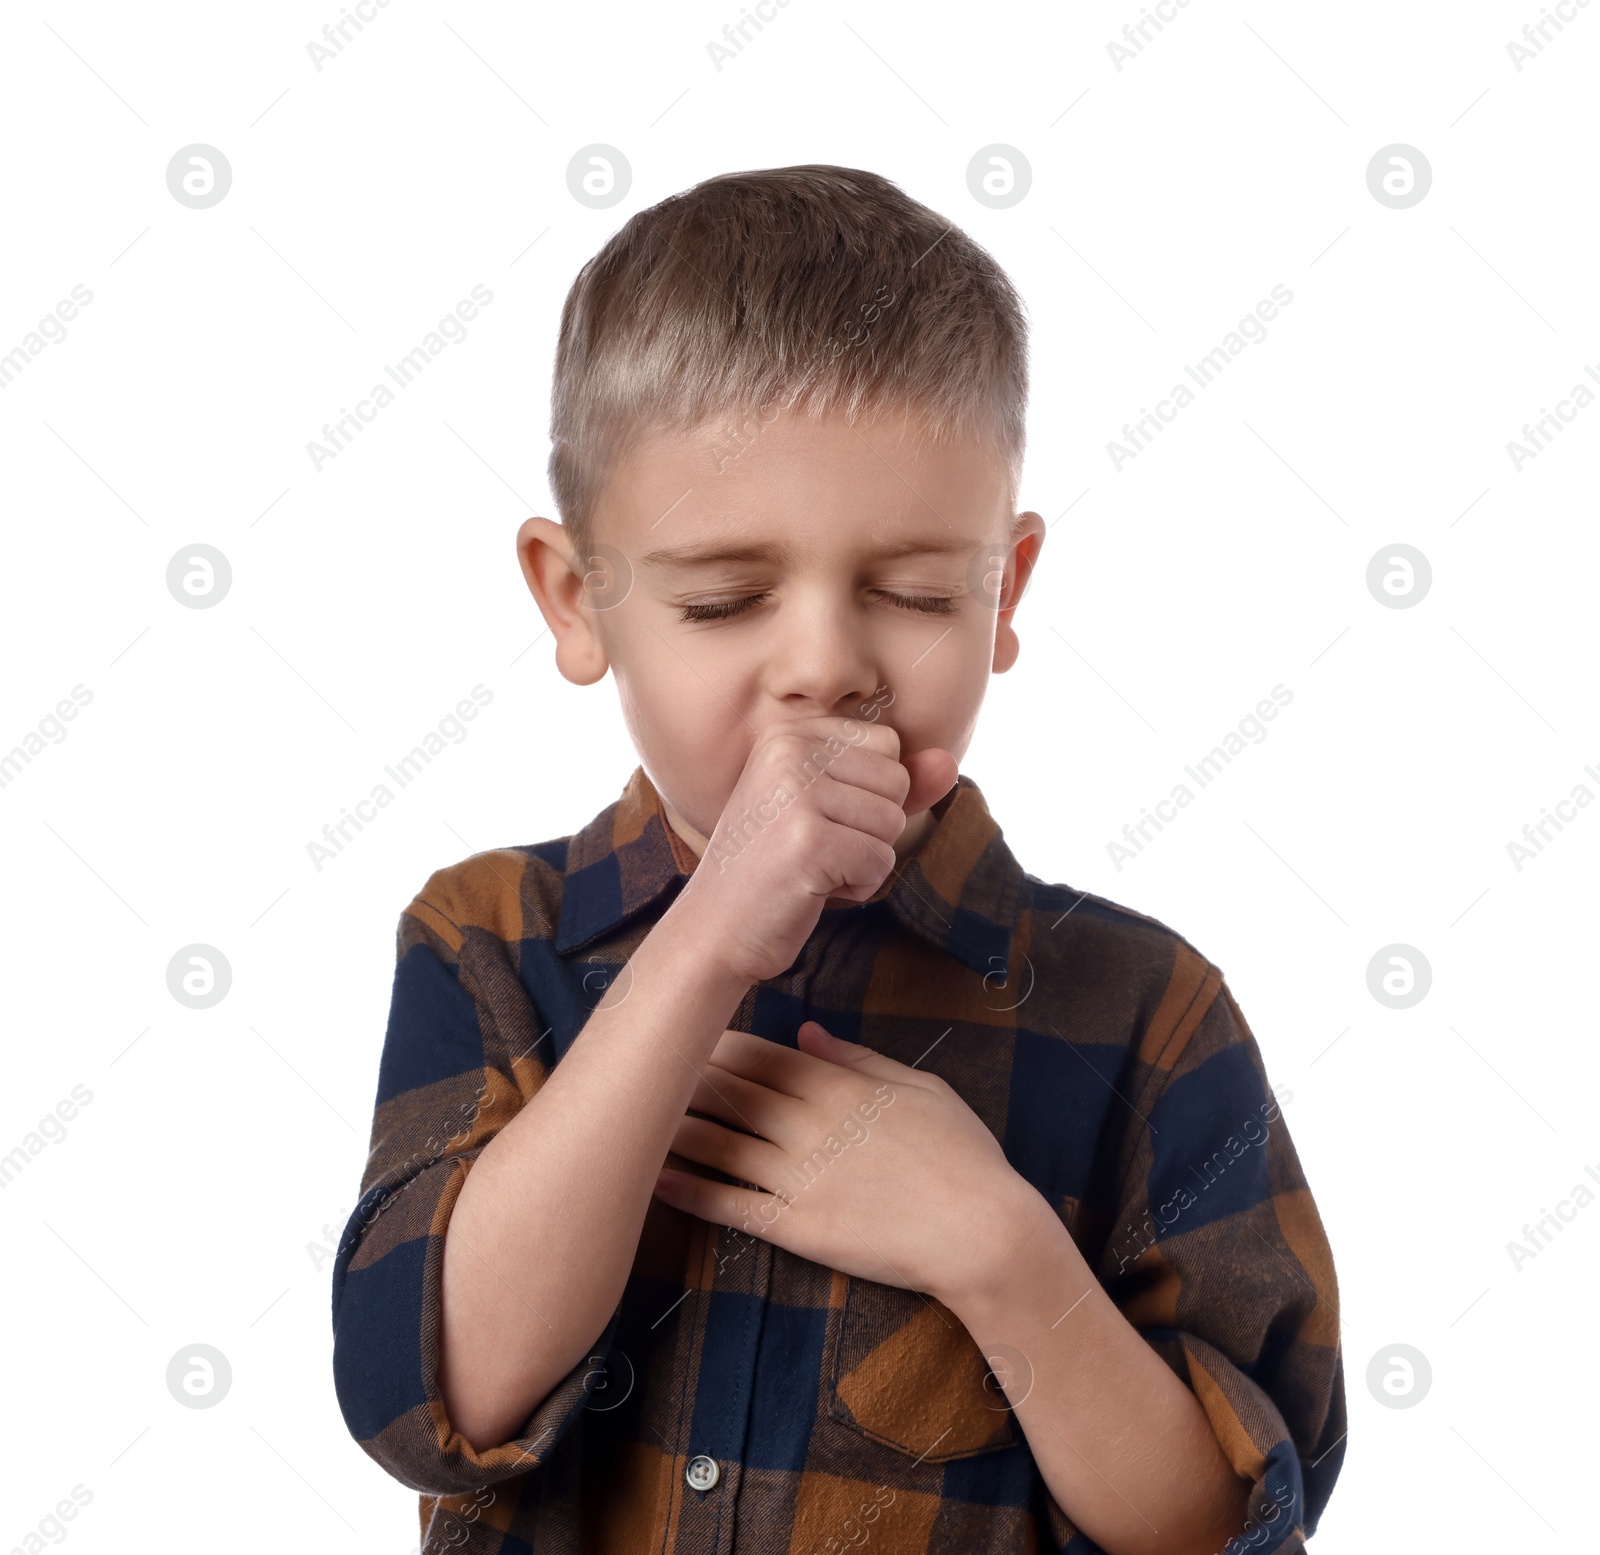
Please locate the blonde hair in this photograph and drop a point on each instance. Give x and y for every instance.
(823, 288)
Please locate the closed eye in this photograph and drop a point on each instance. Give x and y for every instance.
(931, 604)
(720, 610)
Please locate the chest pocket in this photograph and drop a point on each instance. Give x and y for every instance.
(905, 1372)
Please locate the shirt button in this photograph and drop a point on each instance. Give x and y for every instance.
(702, 1472)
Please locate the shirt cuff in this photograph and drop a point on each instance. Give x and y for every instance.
(387, 1281)
(1255, 1440)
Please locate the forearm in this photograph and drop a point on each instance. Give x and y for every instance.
(544, 1232)
(1122, 1443)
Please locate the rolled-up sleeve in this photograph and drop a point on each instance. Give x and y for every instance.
(1219, 1259)
(461, 1055)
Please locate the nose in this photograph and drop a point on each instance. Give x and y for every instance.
(821, 658)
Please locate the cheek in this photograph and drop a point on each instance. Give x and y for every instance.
(692, 739)
(677, 700)
(946, 686)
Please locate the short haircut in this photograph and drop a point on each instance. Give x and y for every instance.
(825, 289)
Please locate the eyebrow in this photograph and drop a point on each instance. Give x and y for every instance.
(781, 555)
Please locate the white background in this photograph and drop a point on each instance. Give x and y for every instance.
(186, 1201)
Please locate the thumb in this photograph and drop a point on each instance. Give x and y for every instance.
(933, 774)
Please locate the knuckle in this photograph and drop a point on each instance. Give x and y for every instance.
(883, 852)
(885, 823)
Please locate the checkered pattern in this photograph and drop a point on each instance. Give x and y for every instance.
(1105, 1054)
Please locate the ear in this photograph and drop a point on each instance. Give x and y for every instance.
(555, 578)
(1027, 536)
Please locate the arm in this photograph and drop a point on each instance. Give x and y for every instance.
(546, 1228)
(1210, 1264)
(504, 1196)
(1118, 1438)
(461, 1066)
(543, 1235)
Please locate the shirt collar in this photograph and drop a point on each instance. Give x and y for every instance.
(958, 890)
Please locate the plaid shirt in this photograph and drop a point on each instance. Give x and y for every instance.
(743, 1399)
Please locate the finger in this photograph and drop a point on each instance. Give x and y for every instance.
(743, 1103)
(800, 1072)
(722, 1205)
(816, 1038)
(737, 1155)
(860, 733)
(768, 1063)
(861, 861)
(861, 809)
(933, 774)
(874, 770)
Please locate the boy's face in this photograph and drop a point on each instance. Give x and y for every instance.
(824, 569)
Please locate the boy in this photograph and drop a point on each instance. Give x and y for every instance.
(979, 1230)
